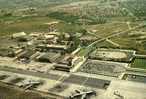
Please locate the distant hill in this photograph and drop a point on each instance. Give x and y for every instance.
(32, 3)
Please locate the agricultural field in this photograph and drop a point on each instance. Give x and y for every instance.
(30, 24)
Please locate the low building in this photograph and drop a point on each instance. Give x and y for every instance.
(26, 54)
(48, 57)
(87, 39)
(19, 35)
(53, 47)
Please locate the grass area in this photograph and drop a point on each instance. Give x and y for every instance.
(108, 28)
(82, 52)
(139, 63)
(9, 92)
(76, 19)
(28, 24)
(144, 45)
(70, 28)
(64, 17)
(11, 25)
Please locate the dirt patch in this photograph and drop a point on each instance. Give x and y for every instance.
(103, 68)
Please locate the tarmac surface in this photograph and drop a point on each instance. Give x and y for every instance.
(72, 79)
(125, 90)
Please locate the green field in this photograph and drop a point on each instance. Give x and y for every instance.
(144, 45)
(139, 63)
(28, 24)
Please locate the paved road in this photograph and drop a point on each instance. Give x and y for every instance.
(26, 72)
